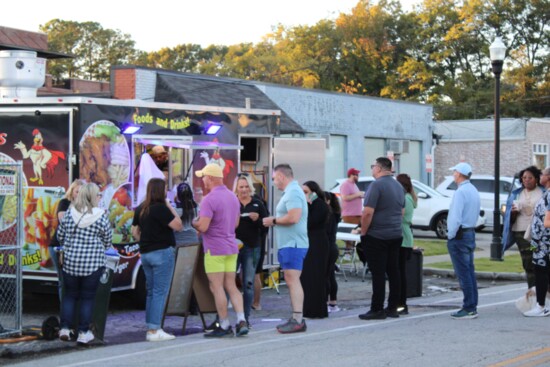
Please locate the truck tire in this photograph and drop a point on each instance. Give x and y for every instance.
(440, 226)
(140, 292)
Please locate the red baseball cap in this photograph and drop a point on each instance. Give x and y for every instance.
(353, 171)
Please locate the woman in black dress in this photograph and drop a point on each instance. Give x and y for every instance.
(332, 228)
(315, 267)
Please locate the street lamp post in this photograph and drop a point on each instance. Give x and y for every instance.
(497, 51)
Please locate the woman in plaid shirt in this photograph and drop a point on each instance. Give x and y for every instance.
(85, 233)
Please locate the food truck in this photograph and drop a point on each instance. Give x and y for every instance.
(60, 139)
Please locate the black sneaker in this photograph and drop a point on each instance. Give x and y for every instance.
(210, 328)
(391, 313)
(373, 315)
(292, 326)
(241, 329)
(218, 332)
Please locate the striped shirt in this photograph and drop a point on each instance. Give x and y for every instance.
(84, 248)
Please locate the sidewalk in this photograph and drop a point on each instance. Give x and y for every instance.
(126, 325)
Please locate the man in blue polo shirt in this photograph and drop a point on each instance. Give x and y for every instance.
(290, 224)
(461, 235)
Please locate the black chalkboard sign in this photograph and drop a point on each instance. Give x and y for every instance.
(201, 287)
(182, 280)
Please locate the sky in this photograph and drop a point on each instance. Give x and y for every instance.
(162, 23)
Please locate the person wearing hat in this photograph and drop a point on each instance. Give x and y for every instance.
(218, 219)
(461, 243)
(352, 203)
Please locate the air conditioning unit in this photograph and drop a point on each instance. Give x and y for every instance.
(398, 146)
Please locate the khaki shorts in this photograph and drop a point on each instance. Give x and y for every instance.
(220, 263)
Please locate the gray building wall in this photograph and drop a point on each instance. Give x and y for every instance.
(356, 118)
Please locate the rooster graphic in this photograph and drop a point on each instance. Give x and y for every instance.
(216, 158)
(41, 157)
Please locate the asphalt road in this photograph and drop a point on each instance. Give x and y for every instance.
(427, 337)
(501, 336)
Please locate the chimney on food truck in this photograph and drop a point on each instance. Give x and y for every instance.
(21, 73)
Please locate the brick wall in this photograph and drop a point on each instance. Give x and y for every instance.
(124, 83)
(514, 154)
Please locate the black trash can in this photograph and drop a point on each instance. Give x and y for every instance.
(103, 295)
(414, 274)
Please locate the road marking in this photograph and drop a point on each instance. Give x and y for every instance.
(285, 338)
(522, 357)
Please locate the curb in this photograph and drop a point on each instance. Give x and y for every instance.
(479, 274)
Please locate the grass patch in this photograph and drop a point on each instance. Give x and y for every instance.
(432, 247)
(511, 264)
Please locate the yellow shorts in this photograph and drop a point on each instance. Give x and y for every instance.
(220, 264)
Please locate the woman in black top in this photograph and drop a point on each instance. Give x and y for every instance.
(314, 272)
(154, 224)
(249, 232)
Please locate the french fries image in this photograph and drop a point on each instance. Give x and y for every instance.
(42, 223)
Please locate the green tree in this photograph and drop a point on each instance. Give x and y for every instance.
(95, 49)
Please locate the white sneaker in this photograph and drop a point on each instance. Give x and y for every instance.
(537, 311)
(334, 308)
(159, 336)
(85, 337)
(65, 335)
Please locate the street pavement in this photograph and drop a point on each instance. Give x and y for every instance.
(341, 338)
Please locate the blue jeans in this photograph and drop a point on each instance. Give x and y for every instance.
(158, 267)
(77, 289)
(248, 259)
(462, 256)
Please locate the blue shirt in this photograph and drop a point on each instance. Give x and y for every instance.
(294, 235)
(464, 209)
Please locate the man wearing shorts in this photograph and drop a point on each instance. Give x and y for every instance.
(219, 216)
(290, 224)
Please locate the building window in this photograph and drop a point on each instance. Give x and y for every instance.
(540, 155)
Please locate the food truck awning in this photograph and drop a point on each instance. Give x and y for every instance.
(214, 91)
(184, 142)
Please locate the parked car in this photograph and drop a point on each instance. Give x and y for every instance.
(432, 209)
(485, 184)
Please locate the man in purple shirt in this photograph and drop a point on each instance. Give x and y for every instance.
(219, 216)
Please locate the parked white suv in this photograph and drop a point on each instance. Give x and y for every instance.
(432, 209)
(485, 184)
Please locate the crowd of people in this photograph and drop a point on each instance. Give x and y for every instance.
(232, 227)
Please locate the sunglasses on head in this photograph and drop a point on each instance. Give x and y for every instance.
(243, 174)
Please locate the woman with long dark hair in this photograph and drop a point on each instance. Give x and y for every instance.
(186, 207)
(154, 224)
(520, 207)
(332, 227)
(314, 272)
(405, 250)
